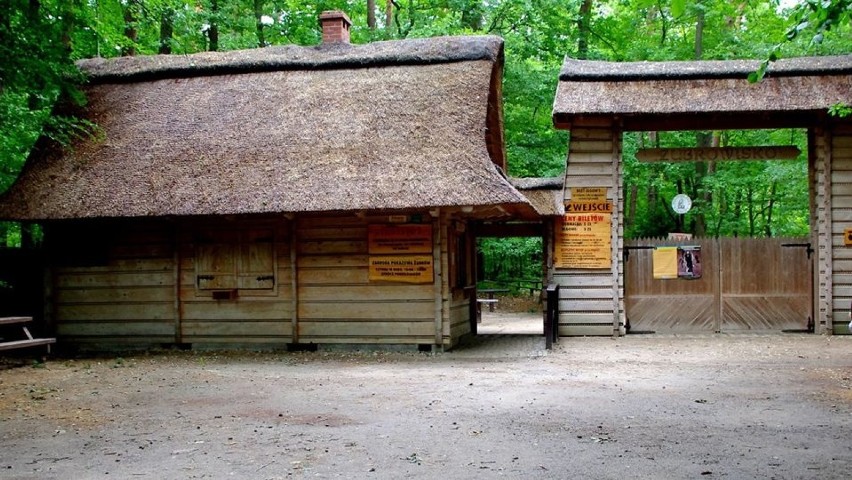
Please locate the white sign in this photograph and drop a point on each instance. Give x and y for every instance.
(681, 203)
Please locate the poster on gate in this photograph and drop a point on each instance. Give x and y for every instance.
(689, 262)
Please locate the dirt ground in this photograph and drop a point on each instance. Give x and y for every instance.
(649, 406)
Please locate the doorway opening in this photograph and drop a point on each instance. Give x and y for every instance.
(510, 272)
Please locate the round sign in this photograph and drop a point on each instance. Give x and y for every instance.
(681, 203)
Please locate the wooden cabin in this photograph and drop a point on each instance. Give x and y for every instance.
(598, 101)
(277, 196)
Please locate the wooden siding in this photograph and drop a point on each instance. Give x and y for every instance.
(591, 301)
(836, 146)
(123, 293)
(336, 301)
(747, 284)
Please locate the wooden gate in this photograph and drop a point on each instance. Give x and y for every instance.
(746, 284)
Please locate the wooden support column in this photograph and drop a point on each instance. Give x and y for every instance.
(825, 224)
(294, 281)
(437, 263)
(176, 258)
(717, 288)
(616, 233)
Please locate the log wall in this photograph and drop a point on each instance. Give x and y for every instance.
(834, 148)
(336, 301)
(139, 282)
(112, 284)
(591, 301)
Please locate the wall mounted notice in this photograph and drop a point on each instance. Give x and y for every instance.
(399, 239)
(584, 240)
(408, 268)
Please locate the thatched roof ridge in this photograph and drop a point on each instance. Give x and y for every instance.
(421, 51)
(594, 70)
(538, 183)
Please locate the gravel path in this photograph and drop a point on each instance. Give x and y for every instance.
(720, 406)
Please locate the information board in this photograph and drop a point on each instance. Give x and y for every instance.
(399, 239)
(584, 240)
(408, 268)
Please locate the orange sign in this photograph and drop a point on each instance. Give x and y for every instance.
(408, 269)
(584, 240)
(399, 239)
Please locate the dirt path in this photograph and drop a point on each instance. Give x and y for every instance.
(721, 406)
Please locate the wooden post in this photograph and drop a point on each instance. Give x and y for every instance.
(615, 230)
(176, 258)
(438, 272)
(718, 302)
(827, 225)
(294, 282)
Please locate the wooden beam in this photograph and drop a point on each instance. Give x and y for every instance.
(716, 154)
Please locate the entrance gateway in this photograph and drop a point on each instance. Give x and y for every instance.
(598, 101)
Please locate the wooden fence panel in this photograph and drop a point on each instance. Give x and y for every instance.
(747, 284)
(670, 306)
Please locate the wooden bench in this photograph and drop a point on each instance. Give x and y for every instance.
(29, 341)
(479, 301)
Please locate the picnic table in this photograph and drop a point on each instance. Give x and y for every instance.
(28, 341)
(491, 301)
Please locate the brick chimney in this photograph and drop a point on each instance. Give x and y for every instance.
(335, 26)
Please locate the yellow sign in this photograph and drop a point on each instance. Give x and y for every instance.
(408, 269)
(588, 207)
(665, 262)
(399, 239)
(847, 237)
(588, 194)
(584, 240)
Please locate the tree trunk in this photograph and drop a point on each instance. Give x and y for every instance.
(631, 206)
(371, 15)
(213, 29)
(583, 25)
(167, 28)
(699, 32)
(258, 22)
(130, 31)
(388, 15)
(767, 229)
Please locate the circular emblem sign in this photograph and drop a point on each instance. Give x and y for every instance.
(681, 203)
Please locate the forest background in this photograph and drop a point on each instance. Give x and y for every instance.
(41, 39)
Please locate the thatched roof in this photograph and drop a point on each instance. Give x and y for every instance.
(799, 88)
(391, 125)
(545, 194)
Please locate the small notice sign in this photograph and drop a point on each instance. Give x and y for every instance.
(847, 237)
(584, 240)
(399, 239)
(588, 194)
(408, 269)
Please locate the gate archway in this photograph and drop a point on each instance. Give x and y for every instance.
(598, 101)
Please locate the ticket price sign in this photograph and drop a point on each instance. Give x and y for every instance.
(584, 240)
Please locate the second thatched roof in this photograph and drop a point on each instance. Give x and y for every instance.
(677, 92)
(392, 125)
